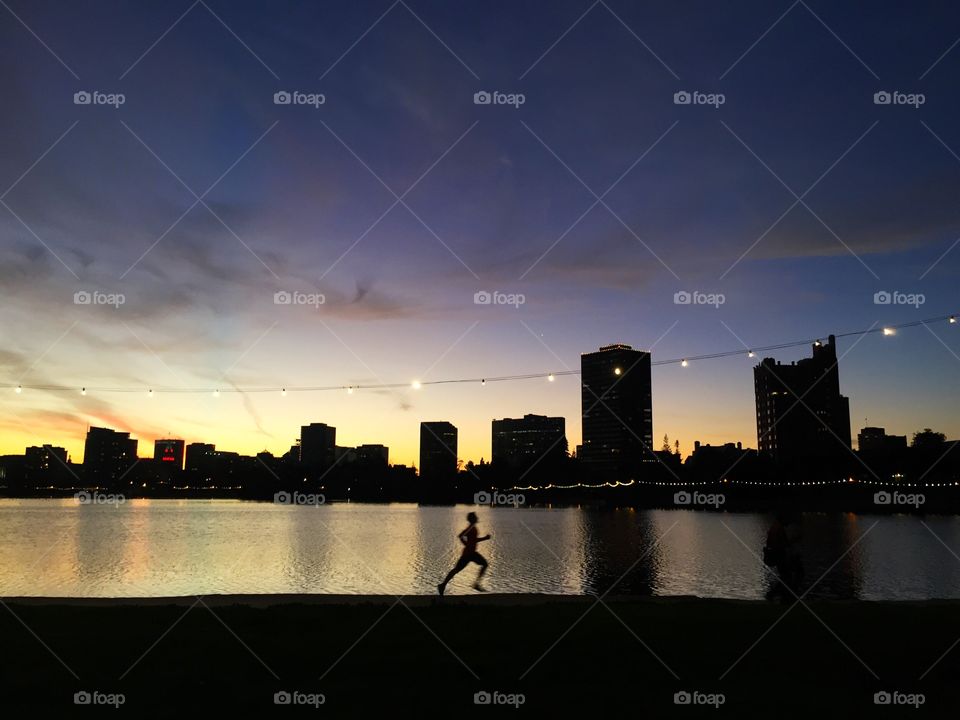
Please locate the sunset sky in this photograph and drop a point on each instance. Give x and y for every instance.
(297, 198)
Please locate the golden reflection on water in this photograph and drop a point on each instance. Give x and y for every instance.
(167, 547)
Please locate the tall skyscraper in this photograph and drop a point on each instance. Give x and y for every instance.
(438, 450)
(800, 411)
(169, 453)
(318, 446)
(198, 456)
(529, 443)
(617, 404)
(107, 455)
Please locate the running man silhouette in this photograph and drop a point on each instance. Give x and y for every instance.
(469, 538)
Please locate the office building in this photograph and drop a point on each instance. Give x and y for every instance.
(800, 411)
(529, 443)
(438, 450)
(617, 406)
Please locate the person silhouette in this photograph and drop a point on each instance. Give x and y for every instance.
(782, 552)
(469, 537)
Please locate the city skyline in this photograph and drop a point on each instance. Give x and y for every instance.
(783, 211)
(615, 394)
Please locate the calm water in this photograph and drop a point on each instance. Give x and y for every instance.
(169, 547)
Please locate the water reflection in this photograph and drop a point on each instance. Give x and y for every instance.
(152, 548)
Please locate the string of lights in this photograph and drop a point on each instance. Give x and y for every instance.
(886, 330)
(728, 481)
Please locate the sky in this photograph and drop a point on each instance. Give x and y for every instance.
(784, 187)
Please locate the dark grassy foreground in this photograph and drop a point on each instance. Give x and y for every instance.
(223, 655)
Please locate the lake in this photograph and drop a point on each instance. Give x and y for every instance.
(200, 547)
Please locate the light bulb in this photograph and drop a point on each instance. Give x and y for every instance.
(551, 377)
(416, 385)
(889, 331)
(616, 371)
(350, 390)
(19, 389)
(750, 353)
(952, 320)
(483, 382)
(149, 393)
(216, 393)
(283, 392)
(83, 391)
(683, 363)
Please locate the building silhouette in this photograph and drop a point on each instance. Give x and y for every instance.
(438, 450)
(801, 414)
(107, 455)
(617, 405)
(875, 440)
(373, 454)
(318, 446)
(169, 453)
(522, 445)
(198, 456)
